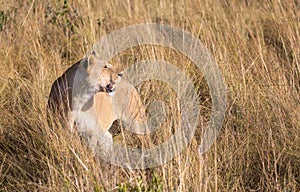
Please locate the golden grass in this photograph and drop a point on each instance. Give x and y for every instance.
(256, 46)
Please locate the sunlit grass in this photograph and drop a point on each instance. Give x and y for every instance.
(255, 44)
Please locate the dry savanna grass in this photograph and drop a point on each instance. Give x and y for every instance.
(255, 44)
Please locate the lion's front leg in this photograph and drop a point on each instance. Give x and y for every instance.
(105, 141)
(93, 143)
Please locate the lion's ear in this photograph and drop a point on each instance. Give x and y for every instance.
(93, 52)
(91, 61)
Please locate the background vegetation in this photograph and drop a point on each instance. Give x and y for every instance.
(255, 43)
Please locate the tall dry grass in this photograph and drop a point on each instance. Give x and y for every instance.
(256, 46)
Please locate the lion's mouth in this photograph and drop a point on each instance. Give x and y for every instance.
(109, 88)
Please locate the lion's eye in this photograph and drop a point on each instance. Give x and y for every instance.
(105, 67)
(120, 74)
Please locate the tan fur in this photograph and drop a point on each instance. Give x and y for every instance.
(104, 110)
(125, 105)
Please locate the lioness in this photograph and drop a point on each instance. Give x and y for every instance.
(72, 94)
(92, 94)
(92, 75)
